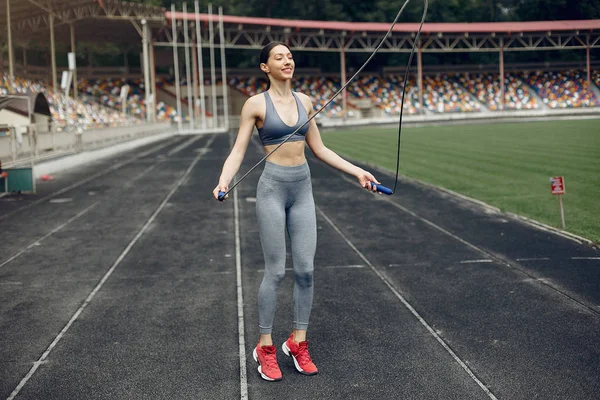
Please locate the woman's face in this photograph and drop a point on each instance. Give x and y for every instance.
(280, 64)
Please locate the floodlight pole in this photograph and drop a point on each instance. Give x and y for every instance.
(188, 77)
(213, 77)
(224, 70)
(200, 65)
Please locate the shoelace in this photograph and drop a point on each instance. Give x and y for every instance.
(270, 357)
(303, 356)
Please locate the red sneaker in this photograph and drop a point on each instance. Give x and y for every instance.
(266, 358)
(299, 353)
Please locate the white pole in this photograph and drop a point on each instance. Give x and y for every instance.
(146, 68)
(11, 67)
(200, 66)
(187, 67)
(72, 29)
(53, 53)
(213, 77)
(176, 68)
(562, 211)
(223, 69)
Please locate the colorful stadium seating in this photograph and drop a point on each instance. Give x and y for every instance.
(443, 93)
(86, 115)
(566, 89)
(386, 93)
(443, 96)
(486, 88)
(107, 91)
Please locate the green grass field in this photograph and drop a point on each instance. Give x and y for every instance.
(506, 165)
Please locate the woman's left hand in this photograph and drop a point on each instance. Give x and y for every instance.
(365, 178)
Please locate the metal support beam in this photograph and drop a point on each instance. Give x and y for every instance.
(146, 69)
(73, 49)
(153, 84)
(53, 53)
(419, 78)
(344, 78)
(502, 85)
(589, 68)
(223, 71)
(176, 70)
(195, 76)
(11, 61)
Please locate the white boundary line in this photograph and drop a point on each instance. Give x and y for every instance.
(240, 295)
(121, 257)
(184, 145)
(52, 232)
(86, 180)
(408, 306)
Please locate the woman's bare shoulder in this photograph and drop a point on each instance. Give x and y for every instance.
(255, 103)
(305, 99)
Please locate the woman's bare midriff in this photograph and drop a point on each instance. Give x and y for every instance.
(289, 155)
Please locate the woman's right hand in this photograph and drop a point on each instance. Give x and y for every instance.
(221, 187)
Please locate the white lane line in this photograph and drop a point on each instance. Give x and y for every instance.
(47, 235)
(533, 259)
(240, 294)
(121, 257)
(476, 261)
(408, 306)
(184, 145)
(410, 264)
(240, 299)
(138, 176)
(585, 258)
(86, 180)
(483, 252)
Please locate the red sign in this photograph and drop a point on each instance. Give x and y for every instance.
(557, 184)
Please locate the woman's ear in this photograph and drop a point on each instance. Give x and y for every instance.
(264, 68)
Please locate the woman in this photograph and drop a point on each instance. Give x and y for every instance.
(284, 197)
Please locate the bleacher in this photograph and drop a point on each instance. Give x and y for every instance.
(387, 93)
(486, 88)
(564, 89)
(443, 93)
(85, 115)
(107, 91)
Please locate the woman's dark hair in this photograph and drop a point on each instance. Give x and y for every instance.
(264, 56)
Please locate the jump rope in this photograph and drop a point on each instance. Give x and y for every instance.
(380, 188)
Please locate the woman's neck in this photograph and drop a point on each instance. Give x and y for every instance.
(281, 89)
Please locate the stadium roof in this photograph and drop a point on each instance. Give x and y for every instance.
(106, 20)
(463, 27)
(254, 33)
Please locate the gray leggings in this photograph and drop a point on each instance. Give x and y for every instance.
(284, 197)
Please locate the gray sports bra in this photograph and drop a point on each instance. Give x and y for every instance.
(275, 131)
